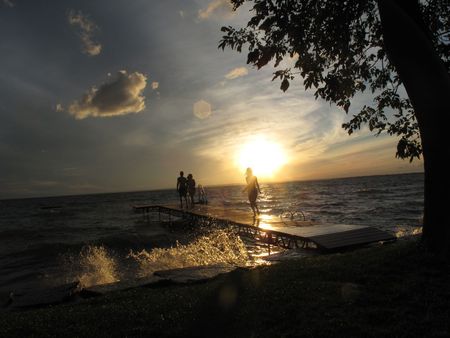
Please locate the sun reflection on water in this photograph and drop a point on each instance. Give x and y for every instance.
(265, 221)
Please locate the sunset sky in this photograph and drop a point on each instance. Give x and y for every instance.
(104, 96)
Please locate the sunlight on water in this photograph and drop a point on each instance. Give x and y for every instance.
(220, 246)
(96, 266)
(264, 221)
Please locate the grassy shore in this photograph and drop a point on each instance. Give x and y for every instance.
(395, 290)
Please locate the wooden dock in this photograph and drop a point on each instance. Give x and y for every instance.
(274, 230)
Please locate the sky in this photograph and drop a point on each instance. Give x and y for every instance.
(105, 96)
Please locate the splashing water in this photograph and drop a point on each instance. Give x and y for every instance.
(402, 232)
(96, 266)
(219, 246)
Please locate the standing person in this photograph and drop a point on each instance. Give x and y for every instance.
(191, 188)
(252, 189)
(182, 189)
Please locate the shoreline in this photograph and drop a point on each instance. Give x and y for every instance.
(389, 290)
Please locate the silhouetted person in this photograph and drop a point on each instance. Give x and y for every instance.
(182, 188)
(191, 188)
(252, 189)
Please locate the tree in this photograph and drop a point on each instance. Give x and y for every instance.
(343, 47)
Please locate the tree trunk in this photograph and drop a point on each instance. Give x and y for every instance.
(427, 83)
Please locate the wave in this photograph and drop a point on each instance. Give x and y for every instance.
(96, 265)
(373, 191)
(220, 246)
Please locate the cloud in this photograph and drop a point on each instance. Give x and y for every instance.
(86, 29)
(221, 8)
(202, 109)
(8, 3)
(122, 95)
(236, 72)
(155, 85)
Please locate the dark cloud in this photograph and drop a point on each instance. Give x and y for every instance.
(8, 3)
(120, 96)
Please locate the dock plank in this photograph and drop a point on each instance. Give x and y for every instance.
(352, 238)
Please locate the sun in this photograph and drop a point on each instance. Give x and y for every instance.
(263, 156)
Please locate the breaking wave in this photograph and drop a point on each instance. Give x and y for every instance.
(97, 265)
(219, 246)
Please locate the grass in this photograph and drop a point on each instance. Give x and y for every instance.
(396, 290)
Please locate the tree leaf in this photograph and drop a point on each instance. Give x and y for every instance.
(284, 85)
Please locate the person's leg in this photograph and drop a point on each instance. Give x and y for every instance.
(252, 205)
(183, 197)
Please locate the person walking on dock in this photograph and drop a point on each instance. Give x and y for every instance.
(191, 188)
(182, 189)
(252, 189)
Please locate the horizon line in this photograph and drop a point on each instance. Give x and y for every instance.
(210, 186)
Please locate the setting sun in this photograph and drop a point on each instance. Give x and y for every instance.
(263, 156)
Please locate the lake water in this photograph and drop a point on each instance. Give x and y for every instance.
(98, 238)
